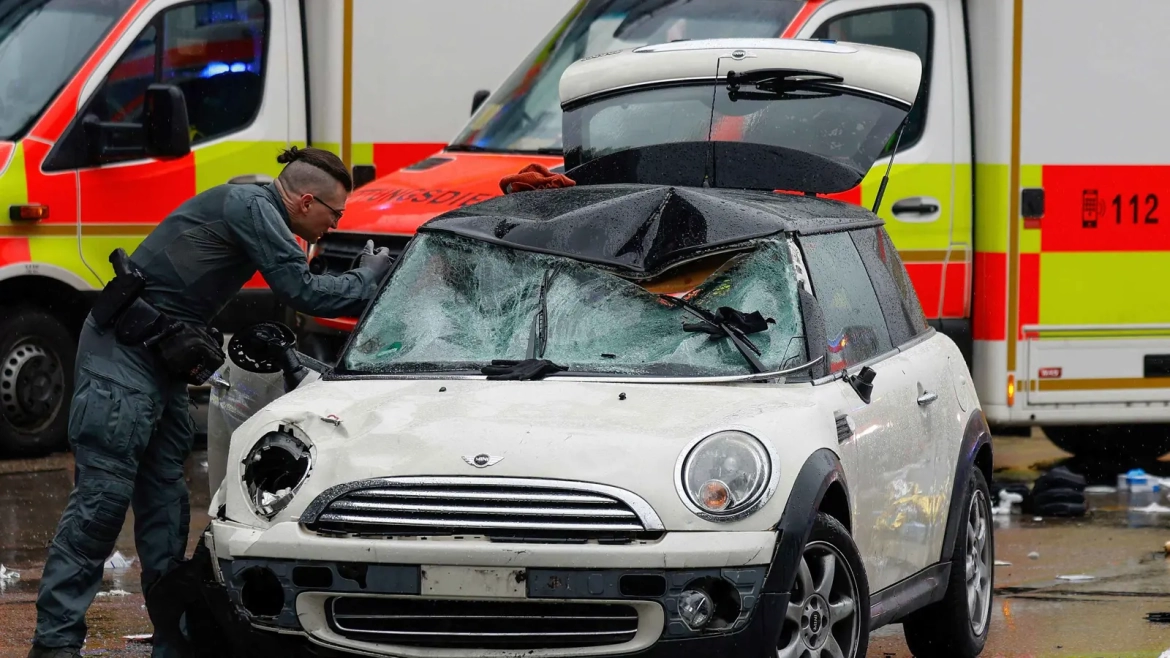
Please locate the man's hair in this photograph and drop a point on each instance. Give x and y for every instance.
(312, 170)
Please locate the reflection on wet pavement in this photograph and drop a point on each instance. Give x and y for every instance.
(1036, 614)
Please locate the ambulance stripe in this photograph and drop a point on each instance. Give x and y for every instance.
(136, 193)
(13, 250)
(1106, 208)
(57, 190)
(989, 305)
(1029, 291)
(1014, 184)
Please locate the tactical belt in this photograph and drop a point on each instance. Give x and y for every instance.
(186, 351)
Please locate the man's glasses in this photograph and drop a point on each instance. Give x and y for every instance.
(335, 211)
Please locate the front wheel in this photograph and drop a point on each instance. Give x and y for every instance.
(36, 381)
(828, 608)
(957, 626)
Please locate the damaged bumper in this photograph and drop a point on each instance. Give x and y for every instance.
(469, 597)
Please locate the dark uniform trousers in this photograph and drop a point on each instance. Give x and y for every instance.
(131, 431)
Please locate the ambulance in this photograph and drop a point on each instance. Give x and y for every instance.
(1029, 194)
(381, 82)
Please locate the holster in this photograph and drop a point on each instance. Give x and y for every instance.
(118, 295)
(188, 352)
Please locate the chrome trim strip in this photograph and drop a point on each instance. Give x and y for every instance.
(372, 506)
(1088, 328)
(646, 514)
(483, 495)
(461, 523)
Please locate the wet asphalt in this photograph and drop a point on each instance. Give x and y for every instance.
(1035, 613)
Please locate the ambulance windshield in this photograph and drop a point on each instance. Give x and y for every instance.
(42, 44)
(524, 114)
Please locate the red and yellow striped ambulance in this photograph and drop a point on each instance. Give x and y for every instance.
(1029, 195)
(383, 83)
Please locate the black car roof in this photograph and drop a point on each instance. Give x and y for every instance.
(643, 229)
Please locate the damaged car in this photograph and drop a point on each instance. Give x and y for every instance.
(686, 407)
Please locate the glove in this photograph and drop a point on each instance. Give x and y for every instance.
(378, 260)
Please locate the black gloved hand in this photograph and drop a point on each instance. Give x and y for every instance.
(378, 260)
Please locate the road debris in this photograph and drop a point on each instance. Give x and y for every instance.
(1100, 489)
(1001, 563)
(113, 592)
(145, 638)
(1159, 618)
(1166, 548)
(1152, 508)
(8, 575)
(1033, 555)
(1077, 578)
(119, 561)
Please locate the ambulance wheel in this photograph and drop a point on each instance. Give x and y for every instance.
(1125, 442)
(36, 382)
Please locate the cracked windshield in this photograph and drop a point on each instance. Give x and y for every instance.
(524, 114)
(458, 304)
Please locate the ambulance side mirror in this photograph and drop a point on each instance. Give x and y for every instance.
(166, 127)
(478, 99)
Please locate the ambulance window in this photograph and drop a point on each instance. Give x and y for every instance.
(900, 306)
(906, 28)
(855, 327)
(120, 98)
(214, 52)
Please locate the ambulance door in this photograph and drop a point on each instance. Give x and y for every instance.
(229, 59)
(927, 203)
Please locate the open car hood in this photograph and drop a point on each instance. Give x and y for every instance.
(641, 230)
(770, 114)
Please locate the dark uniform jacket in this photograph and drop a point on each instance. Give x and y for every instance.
(208, 248)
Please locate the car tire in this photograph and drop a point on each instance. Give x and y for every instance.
(843, 597)
(1128, 442)
(37, 355)
(949, 628)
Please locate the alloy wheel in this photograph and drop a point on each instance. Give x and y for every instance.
(822, 620)
(978, 563)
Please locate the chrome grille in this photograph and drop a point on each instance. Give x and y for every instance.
(482, 624)
(504, 509)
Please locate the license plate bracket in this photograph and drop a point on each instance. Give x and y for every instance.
(474, 582)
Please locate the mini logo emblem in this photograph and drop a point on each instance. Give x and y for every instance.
(739, 54)
(482, 460)
(814, 622)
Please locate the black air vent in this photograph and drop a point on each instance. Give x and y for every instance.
(429, 163)
(844, 433)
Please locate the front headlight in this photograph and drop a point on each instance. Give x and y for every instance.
(275, 469)
(726, 476)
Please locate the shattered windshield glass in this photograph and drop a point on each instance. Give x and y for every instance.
(455, 304)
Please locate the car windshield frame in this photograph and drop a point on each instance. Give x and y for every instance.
(33, 30)
(785, 352)
(497, 126)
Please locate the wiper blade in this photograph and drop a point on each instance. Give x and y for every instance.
(729, 323)
(538, 337)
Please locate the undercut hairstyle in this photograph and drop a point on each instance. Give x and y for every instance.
(313, 171)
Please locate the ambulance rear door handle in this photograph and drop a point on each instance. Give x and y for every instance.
(916, 209)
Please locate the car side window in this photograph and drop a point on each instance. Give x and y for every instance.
(855, 327)
(213, 51)
(899, 305)
(905, 28)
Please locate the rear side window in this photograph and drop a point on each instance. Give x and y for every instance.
(896, 295)
(855, 327)
(905, 28)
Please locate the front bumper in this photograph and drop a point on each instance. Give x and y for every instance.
(288, 581)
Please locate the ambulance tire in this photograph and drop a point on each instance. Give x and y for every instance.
(36, 382)
(1128, 443)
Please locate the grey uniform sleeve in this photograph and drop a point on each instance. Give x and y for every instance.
(268, 241)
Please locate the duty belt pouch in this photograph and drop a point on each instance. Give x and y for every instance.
(118, 295)
(137, 323)
(188, 352)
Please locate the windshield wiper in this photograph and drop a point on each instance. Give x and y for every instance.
(730, 323)
(534, 365)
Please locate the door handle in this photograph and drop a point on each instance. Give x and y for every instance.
(916, 209)
(926, 398)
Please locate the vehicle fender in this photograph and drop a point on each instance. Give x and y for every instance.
(976, 435)
(819, 472)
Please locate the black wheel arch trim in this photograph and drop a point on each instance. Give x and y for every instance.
(820, 471)
(975, 436)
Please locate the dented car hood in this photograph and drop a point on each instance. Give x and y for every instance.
(543, 429)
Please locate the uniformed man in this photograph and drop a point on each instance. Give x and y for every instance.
(129, 424)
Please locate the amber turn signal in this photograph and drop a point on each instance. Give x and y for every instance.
(1011, 390)
(28, 212)
(714, 495)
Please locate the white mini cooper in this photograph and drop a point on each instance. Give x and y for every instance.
(688, 407)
